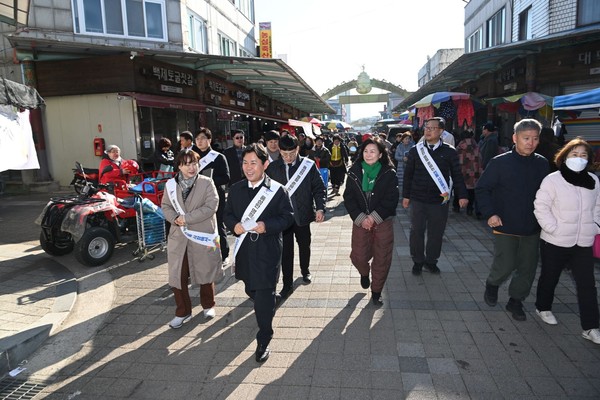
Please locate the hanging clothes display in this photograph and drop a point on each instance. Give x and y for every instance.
(447, 110)
(424, 114)
(465, 113)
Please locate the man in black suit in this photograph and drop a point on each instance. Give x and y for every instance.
(307, 192)
(258, 210)
(233, 155)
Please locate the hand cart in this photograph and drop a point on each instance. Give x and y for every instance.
(150, 228)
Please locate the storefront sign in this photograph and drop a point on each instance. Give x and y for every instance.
(171, 89)
(265, 40)
(242, 95)
(216, 87)
(169, 75)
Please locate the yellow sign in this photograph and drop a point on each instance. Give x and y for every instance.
(265, 40)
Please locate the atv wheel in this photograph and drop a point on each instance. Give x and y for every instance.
(55, 249)
(95, 246)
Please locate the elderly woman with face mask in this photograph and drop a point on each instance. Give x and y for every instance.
(567, 207)
(113, 167)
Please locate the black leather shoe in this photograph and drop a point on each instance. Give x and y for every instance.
(262, 353)
(515, 307)
(285, 292)
(376, 298)
(417, 268)
(491, 295)
(432, 268)
(365, 282)
(307, 278)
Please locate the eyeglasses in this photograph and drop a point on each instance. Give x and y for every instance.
(431, 128)
(239, 138)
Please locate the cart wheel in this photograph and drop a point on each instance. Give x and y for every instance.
(136, 252)
(53, 249)
(150, 256)
(95, 246)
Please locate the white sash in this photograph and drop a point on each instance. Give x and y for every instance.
(207, 159)
(254, 210)
(434, 171)
(299, 176)
(205, 239)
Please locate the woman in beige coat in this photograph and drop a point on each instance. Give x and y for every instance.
(189, 203)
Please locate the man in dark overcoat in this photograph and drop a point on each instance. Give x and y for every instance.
(258, 228)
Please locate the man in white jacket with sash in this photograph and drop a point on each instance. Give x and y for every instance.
(258, 210)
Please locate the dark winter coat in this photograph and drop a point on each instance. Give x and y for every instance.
(418, 184)
(235, 166)
(259, 258)
(219, 172)
(507, 188)
(310, 195)
(381, 203)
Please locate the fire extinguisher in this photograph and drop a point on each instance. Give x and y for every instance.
(99, 147)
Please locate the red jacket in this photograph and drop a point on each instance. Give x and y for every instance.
(116, 172)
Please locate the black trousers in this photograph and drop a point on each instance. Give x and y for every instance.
(581, 262)
(470, 196)
(430, 219)
(222, 233)
(303, 238)
(264, 310)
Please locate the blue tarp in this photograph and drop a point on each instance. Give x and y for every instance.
(578, 101)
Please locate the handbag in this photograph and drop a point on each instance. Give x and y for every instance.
(596, 246)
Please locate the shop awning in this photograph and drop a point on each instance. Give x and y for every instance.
(151, 100)
(471, 66)
(270, 77)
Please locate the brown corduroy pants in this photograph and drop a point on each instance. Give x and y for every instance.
(182, 296)
(376, 246)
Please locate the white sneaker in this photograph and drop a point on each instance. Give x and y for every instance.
(547, 317)
(178, 322)
(592, 335)
(209, 313)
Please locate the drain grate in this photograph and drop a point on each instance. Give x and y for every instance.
(19, 389)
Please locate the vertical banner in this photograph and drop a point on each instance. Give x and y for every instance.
(265, 40)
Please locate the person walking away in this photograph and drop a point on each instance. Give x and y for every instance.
(190, 203)
(337, 164)
(214, 165)
(505, 194)
(470, 166)
(371, 197)
(548, 147)
(488, 144)
(258, 210)
(426, 189)
(567, 207)
(305, 187)
(233, 155)
(164, 159)
(404, 145)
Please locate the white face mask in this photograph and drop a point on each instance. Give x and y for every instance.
(576, 163)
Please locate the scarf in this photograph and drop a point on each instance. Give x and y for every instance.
(186, 184)
(369, 175)
(581, 179)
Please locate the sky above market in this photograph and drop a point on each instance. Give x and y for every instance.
(328, 41)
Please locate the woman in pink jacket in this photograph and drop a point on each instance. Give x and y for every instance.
(567, 207)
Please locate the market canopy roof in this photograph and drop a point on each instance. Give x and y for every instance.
(268, 76)
(578, 101)
(472, 66)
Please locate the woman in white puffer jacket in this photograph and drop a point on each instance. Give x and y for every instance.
(567, 207)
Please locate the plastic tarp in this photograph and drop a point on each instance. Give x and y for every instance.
(19, 95)
(578, 101)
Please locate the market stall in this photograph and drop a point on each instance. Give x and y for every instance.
(452, 106)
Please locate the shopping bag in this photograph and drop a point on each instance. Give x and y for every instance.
(596, 246)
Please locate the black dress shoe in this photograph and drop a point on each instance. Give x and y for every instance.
(432, 268)
(307, 278)
(417, 268)
(376, 297)
(262, 353)
(285, 292)
(365, 282)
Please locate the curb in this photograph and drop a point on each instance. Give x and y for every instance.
(16, 348)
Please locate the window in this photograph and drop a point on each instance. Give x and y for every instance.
(525, 24)
(474, 41)
(244, 53)
(128, 18)
(227, 46)
(246, 7)
(495, 29)
(588, 12)
(198, 35)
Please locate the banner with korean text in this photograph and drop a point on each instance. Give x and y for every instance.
(265, 40)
